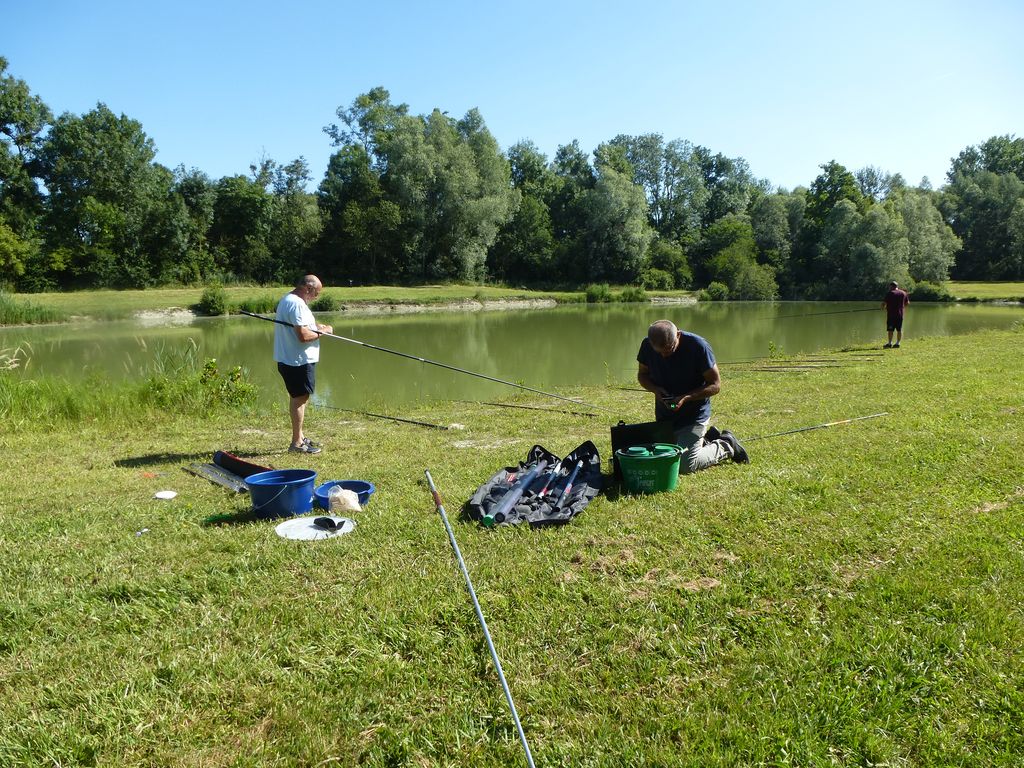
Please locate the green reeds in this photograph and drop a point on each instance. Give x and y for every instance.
(173, 379)
(22, 312)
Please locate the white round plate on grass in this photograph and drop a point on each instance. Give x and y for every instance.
(165, 494)
(304, 529)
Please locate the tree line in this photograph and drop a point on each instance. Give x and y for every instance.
(409, 199)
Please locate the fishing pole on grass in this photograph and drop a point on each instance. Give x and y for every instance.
(817, 426)
(529, 408)
(382, 416)
(432, 362)
(480, 616)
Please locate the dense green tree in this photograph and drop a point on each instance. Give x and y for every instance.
(1014, 263)
(999, 155)
(295, 220)
(198, 195)
(860, 253)
(529, 170)
(240, 229)
(729, 251)
(107, 222)
(875, 184)
(359, 242)
(810, 265)
(673, 183)
(524, 249)
(568, 206)
(14, 254)
(730, 185)
(932, 244)
(23, 119)
(833, 184)
(437, 187)
(669, 258)
(367, 122)
(769, 220)
(981, 207)
(616, 233)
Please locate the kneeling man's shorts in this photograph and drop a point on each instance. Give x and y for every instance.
(299, 380)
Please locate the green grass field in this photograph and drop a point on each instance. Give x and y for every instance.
(850, 598)
(987, 291)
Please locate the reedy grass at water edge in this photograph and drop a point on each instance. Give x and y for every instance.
(18, 311)
(852, 597)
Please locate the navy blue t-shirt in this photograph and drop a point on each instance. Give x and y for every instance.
(679, 373)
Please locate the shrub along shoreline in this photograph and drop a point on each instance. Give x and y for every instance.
(214, 300)
(852, 596)
(20, 309)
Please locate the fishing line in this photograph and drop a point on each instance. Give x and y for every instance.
(817, 426)
(434, 362)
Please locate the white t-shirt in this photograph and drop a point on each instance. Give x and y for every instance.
(287, 347)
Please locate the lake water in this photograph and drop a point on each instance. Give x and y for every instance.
(547, 349)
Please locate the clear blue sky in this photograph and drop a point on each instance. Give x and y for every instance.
(788, 85)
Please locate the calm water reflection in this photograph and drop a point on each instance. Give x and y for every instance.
(546, 348)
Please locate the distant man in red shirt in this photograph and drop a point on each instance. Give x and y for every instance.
(893, 304)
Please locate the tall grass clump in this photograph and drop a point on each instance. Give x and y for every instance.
(214, 300)
(325, 303)
(714, 292)
(21, 312)
(925, 291)
(176, 380)
(258, 304)
(52, 401)
(11, 358)
(633, 294)
(598, 293)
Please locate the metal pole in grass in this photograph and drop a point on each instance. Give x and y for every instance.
(480, 616)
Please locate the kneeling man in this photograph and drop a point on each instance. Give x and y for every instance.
(680, 369)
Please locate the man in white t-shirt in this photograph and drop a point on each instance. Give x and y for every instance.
(297, 351)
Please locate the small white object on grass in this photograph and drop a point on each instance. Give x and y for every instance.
(165, 494)
(304, 529)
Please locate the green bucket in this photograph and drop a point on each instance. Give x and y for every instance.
(649, 468)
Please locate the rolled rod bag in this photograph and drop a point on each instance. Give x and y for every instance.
(624, 435)
(238, 466)
(531, 508)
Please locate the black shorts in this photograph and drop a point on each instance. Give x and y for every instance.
(894, 324)
(299, 380)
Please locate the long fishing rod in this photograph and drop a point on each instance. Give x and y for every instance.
(819, 314)
(432, 362)
(480, 617)
(382, 416)
(817, 426)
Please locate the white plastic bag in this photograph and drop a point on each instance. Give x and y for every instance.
(341, 500)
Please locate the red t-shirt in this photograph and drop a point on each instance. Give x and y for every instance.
(895, 300)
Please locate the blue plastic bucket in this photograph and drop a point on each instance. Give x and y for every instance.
(362, 488)
(281, 492)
